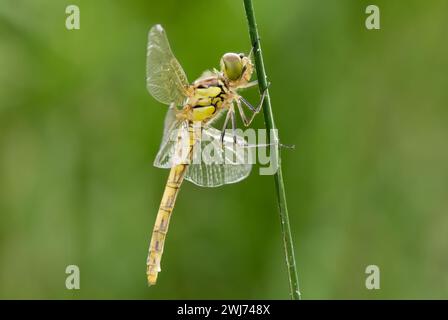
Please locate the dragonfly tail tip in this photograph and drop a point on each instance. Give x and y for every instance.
(152, 279)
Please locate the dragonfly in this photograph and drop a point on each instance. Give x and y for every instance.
(213, 94)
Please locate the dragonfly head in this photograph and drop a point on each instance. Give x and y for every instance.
(235, 66)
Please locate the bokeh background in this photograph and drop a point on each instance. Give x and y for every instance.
(366, 184)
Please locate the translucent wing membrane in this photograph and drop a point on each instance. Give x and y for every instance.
(219, 162)
(165, 79)
(176, 139)
(170, 121)
(212, 163)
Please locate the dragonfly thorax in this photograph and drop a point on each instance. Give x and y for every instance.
(216, 90)
(210, 95)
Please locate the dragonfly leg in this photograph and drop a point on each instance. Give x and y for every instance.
(233, 124)
(241, 111)
(249, 85)
(224, 128)
(230, 116)
(254, 110)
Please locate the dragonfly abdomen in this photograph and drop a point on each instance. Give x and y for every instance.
(173, 184)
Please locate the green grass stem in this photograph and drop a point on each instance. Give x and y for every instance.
(278, 177)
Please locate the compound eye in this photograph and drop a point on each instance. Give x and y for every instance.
(232, 66)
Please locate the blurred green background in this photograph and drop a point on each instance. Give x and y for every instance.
(366, 184)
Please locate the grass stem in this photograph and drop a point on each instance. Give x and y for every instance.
(278, 177)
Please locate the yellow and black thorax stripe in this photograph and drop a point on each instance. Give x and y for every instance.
(209, 96)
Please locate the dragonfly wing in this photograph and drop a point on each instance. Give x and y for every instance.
(175, 135)
(170, 122)
(165, 79)
(207, 74)
(218, 163)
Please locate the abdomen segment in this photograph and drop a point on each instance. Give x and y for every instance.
(173, 184)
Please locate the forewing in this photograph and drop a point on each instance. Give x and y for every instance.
(165, 79)
(216, 163)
